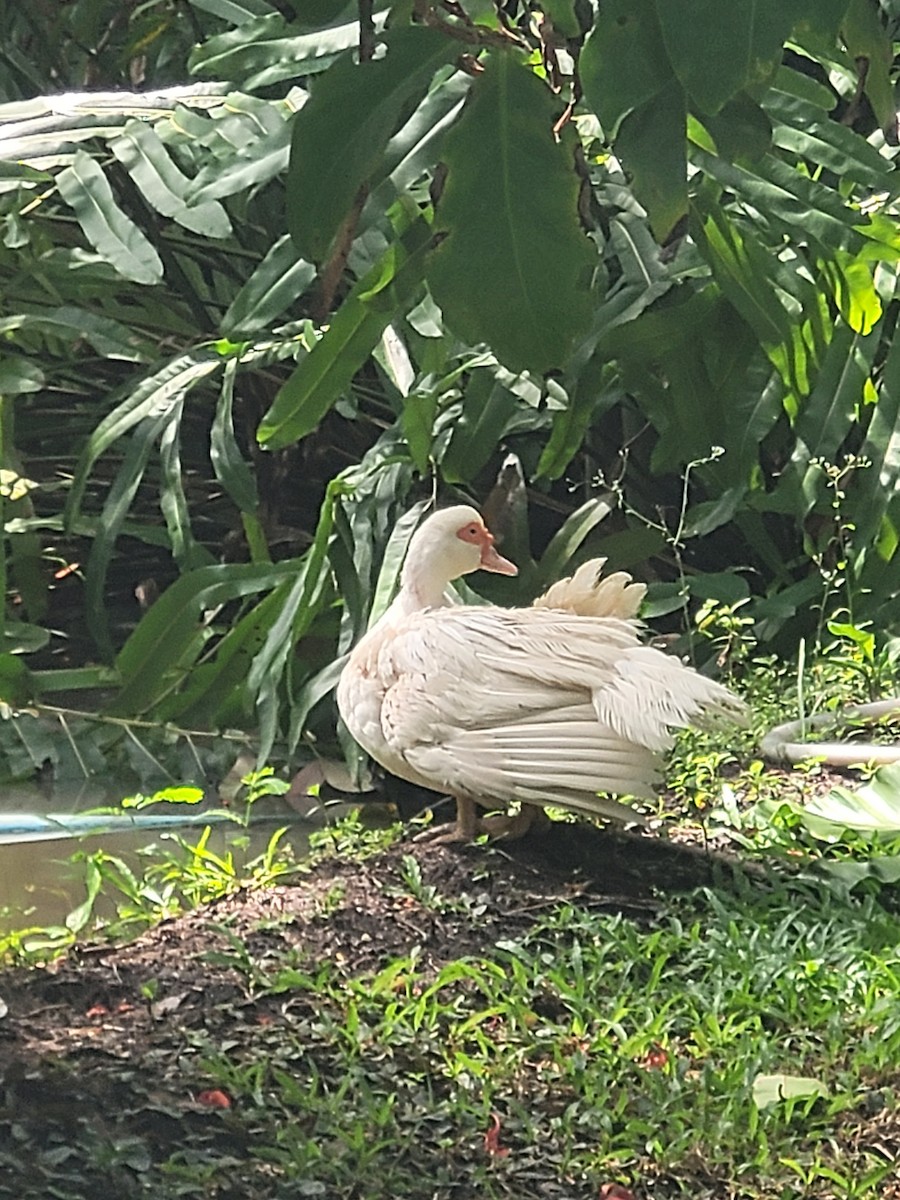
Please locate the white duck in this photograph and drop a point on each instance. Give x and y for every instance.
(546, 705)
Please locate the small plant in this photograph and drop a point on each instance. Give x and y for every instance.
(856, 651)
(350, 839)
(729, 631)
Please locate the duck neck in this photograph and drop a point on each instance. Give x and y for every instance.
(421, 588)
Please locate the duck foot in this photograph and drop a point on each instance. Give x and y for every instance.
(509, 829)
(468, 825)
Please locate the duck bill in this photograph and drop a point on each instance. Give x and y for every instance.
(492, 561)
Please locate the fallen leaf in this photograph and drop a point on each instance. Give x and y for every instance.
(771, 1089)
(655, 1059)
(615, 1191)
(492, 1139)
(214, 1098)
(167, 1004)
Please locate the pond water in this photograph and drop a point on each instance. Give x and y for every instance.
(40, 883)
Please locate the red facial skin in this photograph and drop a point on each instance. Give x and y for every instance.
(478, 534)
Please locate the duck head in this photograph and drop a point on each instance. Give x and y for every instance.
(450, 543)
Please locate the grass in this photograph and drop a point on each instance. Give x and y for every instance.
(607, 1051)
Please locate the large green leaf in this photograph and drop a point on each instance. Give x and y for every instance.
(624, 65)
(512, 265)
(172, 632)
(740, 45)
(112, 234)
(341, 133)
(325, 373)
(629, 82)
(869, 43)
(872, 808)
(268, 49)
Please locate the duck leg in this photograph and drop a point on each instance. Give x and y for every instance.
(464, 829)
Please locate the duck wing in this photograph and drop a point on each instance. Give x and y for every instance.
(535, 705)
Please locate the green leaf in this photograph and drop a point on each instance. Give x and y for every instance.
(829, 414)
(171, 633)
(873, 807)
(261, 160)
(570, 536)
(16, 687)
(237, 12)
(273, 287)
(162, 184)
(114, 236)
(160, 391)
(340, 134)
(788, 198)
(509, 212)
(19, 375)
(417, 419)
(854, 291)
(186, 550)
(109, 524)
(744, 277)
(392, 562)
(81, 914)
(741, 129)
(804, 129)
(110, 338)
(215, 691)
(717, 48)
(297, 612)
(326, 372)
(629, 83)
(879, 486)
(314, 690)
(268, 49)
(624, 65)
(487, 409)
(228, 463)
(866, 38)
(597, 390)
